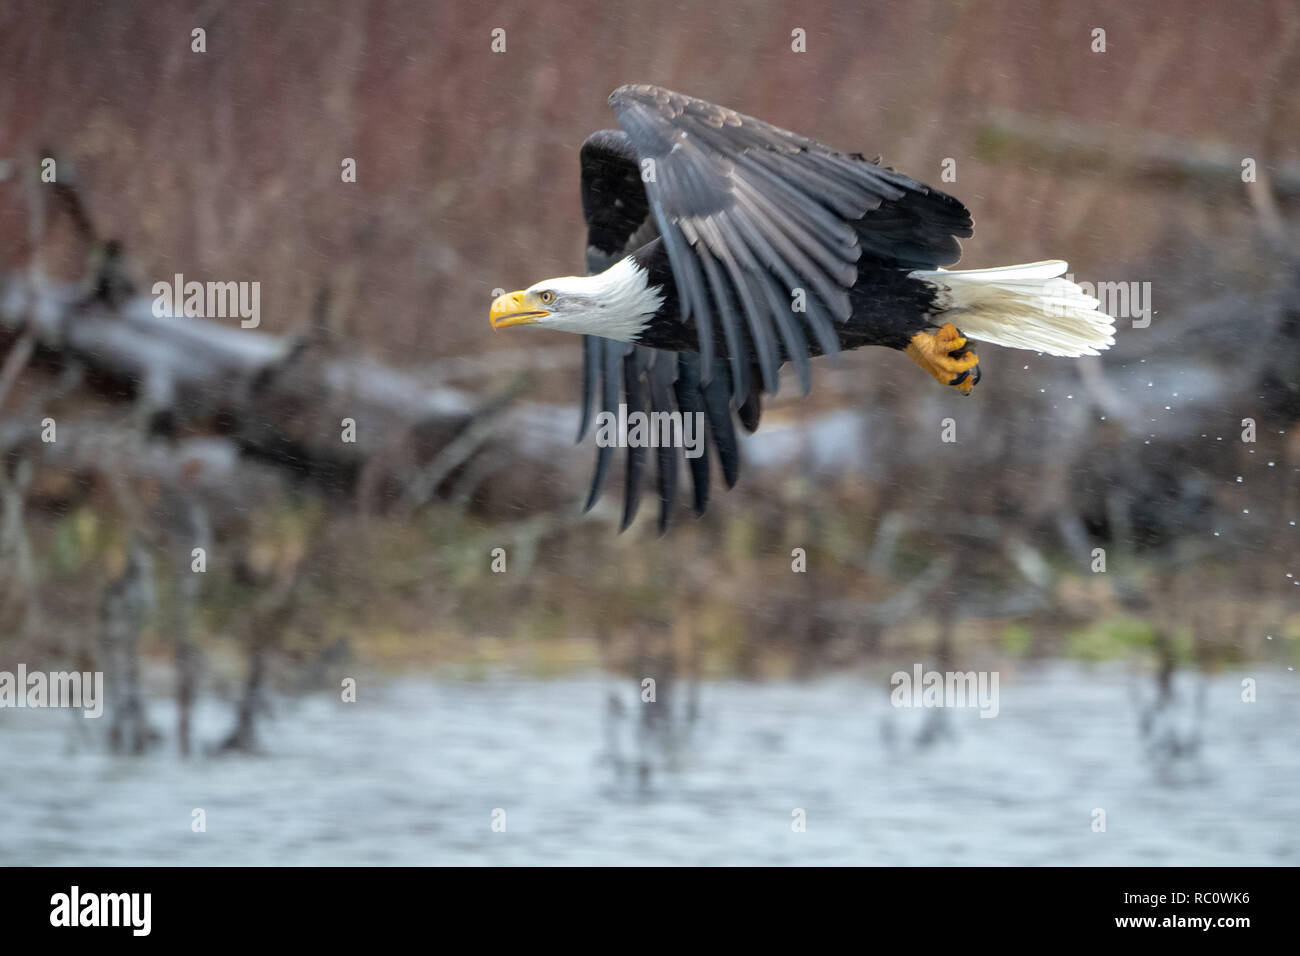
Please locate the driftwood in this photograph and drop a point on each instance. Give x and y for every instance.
(344, 423)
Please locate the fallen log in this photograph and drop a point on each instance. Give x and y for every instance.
(286, 400)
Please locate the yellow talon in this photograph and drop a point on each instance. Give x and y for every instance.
(943, 354)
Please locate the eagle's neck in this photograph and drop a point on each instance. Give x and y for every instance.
(627, 298)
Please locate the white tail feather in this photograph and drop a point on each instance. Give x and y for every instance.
(1029, 306)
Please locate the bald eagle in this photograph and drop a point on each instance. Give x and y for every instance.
(721, 247)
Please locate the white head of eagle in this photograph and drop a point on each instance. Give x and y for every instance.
(615, 304)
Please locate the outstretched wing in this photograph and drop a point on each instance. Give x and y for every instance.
(617, 212)
(750, 212)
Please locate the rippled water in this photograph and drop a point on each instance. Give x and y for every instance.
(413, 772)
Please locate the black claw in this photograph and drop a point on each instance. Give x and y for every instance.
(960, 354)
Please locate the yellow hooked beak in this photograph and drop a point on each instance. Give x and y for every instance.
(514, 308)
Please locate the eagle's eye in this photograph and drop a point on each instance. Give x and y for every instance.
(547, 297)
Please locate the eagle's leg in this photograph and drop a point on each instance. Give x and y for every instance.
(944, 355)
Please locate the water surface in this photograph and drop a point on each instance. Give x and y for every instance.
(413, 772)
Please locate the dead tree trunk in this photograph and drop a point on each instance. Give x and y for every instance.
(128, 604)
(17, 571)
(266, 624)
(196, 534)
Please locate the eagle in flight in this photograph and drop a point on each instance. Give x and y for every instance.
(721, 247)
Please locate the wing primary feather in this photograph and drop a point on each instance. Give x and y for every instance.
(830, 222)
(782, 308)
(730, 326)
(760, 333)
(590, 369)
(690, 294)
(822, 325)
(832, 278)
(662, 375)
(819, 323)
(750, 412)
(772, 225)
(690, 399)
(611, 365)
(634, 391)
(717, 409)
(796, 346)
